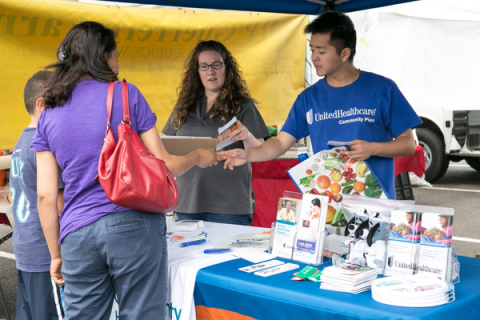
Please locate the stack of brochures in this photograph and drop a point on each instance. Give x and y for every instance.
(188, 225)
(348, 277)
(412, 291)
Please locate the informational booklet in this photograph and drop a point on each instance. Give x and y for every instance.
(348, 277)
(435, 245)
(276, 270)
(332, 175)
(310, 236)
(188, 225)
(286, 227)
(403, 243)
(223, 138)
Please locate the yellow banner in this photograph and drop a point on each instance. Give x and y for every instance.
(153, 45)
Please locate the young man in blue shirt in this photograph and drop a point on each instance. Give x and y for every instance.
(37, 295)
(348, 104)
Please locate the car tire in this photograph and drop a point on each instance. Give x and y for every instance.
(436, 161)
(473, 162)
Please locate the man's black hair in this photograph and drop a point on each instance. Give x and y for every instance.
(34, 89)
(341, 30)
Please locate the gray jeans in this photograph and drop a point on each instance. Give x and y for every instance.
(123, 253)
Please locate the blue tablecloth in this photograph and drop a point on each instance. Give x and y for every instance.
(223, 287)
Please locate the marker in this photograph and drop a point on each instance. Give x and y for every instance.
(208, 251)
(192, 243)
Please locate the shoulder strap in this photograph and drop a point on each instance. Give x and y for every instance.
(111, 87)
(126, 112)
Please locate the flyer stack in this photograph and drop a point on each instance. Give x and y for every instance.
(348, 277)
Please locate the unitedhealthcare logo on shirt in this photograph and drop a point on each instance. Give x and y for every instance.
(363, 115)
(310, 116)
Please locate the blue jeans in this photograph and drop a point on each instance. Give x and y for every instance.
(36, 297)
(123, 253)
(241, 219)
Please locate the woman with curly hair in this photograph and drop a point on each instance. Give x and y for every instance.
(212, 92)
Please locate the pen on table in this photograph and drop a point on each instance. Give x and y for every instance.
(207, 251)
(192, 243)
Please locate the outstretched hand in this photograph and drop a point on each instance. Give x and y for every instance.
(207, 158)
(233, 158)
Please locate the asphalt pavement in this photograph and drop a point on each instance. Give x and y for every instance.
(458, 189)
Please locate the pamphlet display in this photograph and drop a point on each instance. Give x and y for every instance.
(300, 228)
(436, 245)
(310, 237)
(403, 243)
(286, 227)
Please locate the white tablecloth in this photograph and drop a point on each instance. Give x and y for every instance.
(184, 263)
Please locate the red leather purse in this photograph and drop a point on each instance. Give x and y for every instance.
(131, 176)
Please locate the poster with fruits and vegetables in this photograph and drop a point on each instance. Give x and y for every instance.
(329, 174)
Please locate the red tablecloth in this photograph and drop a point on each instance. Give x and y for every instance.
(271, 180)
(414, 163)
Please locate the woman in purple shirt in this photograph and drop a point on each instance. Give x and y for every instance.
(105, 249)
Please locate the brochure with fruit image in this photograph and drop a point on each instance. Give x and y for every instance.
(310, 229)
(329, 174)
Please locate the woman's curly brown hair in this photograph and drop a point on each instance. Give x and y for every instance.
(233, 93)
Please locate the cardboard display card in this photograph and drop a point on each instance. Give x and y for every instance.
(180, 146)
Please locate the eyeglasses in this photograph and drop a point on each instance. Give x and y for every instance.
(215, 66)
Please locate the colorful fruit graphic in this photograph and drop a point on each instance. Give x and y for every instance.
(361, 169)
(335, 187)
(359, 186)
(336, 177)
(323, 182)
(330, 213)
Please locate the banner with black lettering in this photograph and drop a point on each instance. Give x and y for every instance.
(153, 45)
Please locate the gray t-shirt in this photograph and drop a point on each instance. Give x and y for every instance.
(29, 244)
(215, 189)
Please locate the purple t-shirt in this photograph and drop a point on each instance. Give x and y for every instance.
(74, 134)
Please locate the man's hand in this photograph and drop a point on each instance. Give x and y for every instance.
(206, 158)
(234, 158)
(360, 150)
(56, 271)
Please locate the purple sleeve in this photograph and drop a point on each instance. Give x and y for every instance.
(144, 117)
(39, 141)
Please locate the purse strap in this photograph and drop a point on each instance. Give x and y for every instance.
(126, 110)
